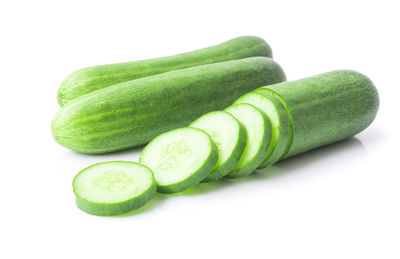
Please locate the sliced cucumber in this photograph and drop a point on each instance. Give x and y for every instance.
(228, 135)
(112, 188)
(258, 128)
(288, 117)
(180, 158)
(274, 109)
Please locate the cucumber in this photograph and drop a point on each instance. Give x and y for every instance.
(180, 158)
(112, 188)
(228, 135)
(130, 114)
(258, 129)
(90, 79)
(281, 132)
(328, 107)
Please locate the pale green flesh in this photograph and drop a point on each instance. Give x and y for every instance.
(176, 155)
(112, 182)
(269, 109)
(254, 124)
(224, 130)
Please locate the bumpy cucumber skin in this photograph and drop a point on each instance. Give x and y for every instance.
(328, 107)
(90, 79)
(264, 147)
(130, 114)
(285, 130)
(197, 176)
(112, 209)
(229, 164)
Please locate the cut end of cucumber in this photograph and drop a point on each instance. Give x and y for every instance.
(113, 188)
(180, 158)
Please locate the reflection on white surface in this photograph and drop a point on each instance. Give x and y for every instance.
(346, 152)
(330, 159)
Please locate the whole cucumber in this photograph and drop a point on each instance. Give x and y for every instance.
(93, 78)
(328, 107)
(132, 113)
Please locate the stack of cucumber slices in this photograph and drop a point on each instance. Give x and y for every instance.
(254, 132)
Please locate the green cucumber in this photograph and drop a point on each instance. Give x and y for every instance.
(281, 132)
(113, 188)
(130, 114)
(180, 158)
(328, 107)
(228, 135)
(258, 129)
(90, 79)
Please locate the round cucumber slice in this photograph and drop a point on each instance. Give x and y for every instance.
(180, 158)
(258, 128)
(274, 109)
(113, 188)
(228, 135)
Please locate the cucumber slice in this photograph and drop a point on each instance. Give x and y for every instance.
(269, 93)
(112, 188)
(180, 158)
(273, 108)
(258, 128)
(228, 135)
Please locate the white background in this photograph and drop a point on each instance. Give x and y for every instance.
(340, 201)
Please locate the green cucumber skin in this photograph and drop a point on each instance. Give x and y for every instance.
(328, 107)
(106, 209)
(233, 159)
(197, 176)
(286, 130)
(130, 114)
(259, 158)
(93, 78)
